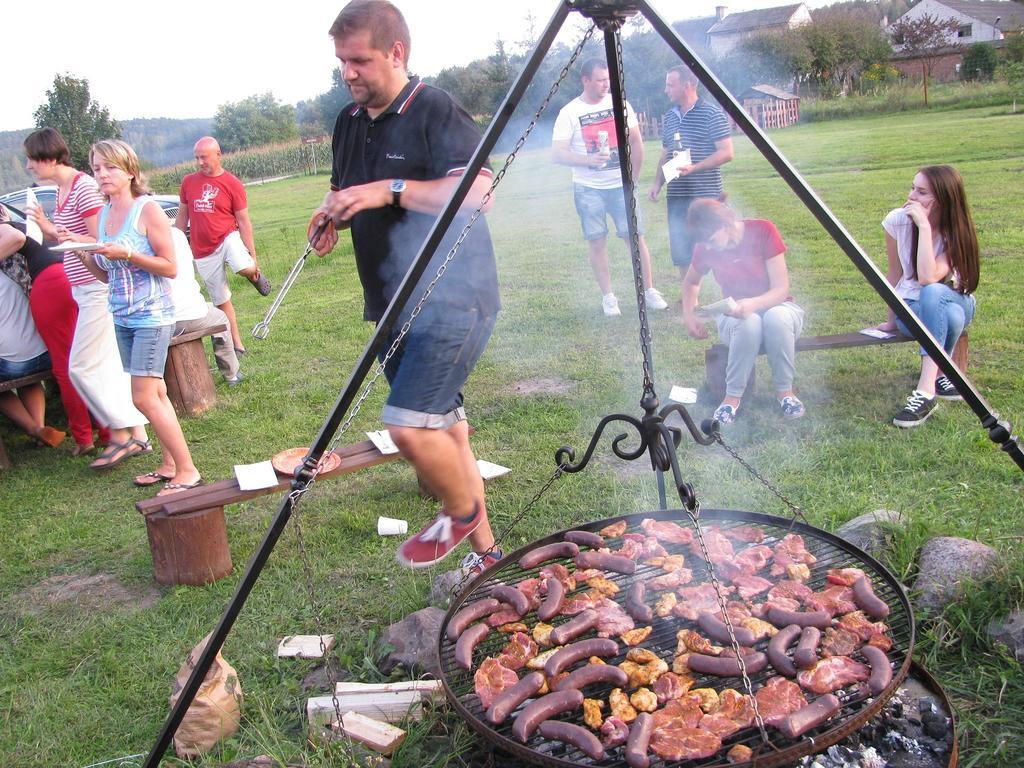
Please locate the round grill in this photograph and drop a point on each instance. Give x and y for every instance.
(831, 552)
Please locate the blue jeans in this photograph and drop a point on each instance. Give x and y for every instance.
(595, 206)
(431, 365)
(15, 370)
(943, 311)
(143, 350)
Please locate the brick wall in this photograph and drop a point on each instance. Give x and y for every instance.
(944, 69)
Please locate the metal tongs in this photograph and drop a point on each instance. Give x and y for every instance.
(262, 329)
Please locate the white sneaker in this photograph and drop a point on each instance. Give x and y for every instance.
(654, 299)
(610, 305)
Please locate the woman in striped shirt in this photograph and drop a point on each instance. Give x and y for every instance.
(94, 363)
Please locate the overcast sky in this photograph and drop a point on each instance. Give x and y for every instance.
(184, 58)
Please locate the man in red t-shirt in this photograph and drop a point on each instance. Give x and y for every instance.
(747, 258)
(213, 202)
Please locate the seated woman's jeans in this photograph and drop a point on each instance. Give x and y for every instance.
(943, 311)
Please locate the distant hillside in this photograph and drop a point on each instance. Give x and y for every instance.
(159, 141)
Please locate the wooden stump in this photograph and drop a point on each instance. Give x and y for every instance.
(187, 375)
(190, 548)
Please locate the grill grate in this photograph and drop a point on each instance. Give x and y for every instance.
(830, 551)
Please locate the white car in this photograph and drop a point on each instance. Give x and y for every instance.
(47, 197)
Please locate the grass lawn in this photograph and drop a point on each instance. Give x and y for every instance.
(91, 645)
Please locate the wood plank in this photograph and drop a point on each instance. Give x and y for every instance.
(201, 333)
(380, 737)
(383, 702)
(24, 381)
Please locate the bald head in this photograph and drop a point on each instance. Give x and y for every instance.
(207, 153)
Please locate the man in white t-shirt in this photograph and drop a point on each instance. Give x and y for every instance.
(192, 312)
(584, 138)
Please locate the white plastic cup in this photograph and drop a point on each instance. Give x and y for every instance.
(389, 526)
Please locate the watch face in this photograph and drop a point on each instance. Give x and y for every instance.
(398, 185)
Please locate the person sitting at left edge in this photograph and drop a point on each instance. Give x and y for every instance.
(399, 149)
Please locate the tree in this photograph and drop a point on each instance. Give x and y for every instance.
(980, 62)
(925, 38)
(253, 122)
(81, 121)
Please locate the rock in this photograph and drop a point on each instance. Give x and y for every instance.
(945, 565)
(1010, 632)
(868, 531)
(442, 586)
(414, 640)
(319, 678)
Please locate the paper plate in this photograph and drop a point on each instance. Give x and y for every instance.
(286, 462)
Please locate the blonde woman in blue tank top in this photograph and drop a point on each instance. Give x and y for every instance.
(137, 262)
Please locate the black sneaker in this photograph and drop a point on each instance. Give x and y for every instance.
(944, 388)
(918, 408)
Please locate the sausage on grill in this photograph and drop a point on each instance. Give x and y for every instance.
(639, 738)
(717, 630)
(725, 666)
(778, 646)
(605, 561)
(535, 557)
(635, 605)
(510, 595)
(538, 711)
(467, 641)
(575, 627)
(881, 670)
(553, 602)
(866, 599)
(806, 654)
(591, 674)
(782, 618)
(575, 735)
(585, 539)
(468, 615)
(504, 703)
(811, 716)
(584, 649)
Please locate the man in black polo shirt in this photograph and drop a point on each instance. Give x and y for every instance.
(701, 127)
(399, 149)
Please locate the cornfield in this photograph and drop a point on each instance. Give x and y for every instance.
(259, 164)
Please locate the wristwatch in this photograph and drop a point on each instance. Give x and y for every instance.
(397, 188)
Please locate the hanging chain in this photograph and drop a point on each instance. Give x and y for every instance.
(296, 494)
(733, 642)
(626, 156)
(797, 512)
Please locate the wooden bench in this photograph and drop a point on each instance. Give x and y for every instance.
(186, 530)
(187, 373)
(716, 355)
(12, 384)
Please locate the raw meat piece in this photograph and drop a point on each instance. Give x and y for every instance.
(560, 572)
(750, 586)
(614, 732)
(788, 551)
(753, 559)
(638, 546)
(834, 600)
(520, 649)
(839, 642)
(696, 599)
(745, 533)
(871, 632)
(671, 686)
(719, 547)
(778, 699)
(491, 679)
(833, 673)
(670, 580)
(531, 588)
(734, 713)
(791, 590)
(585, 574)
(676, 735)
(504, 616)
(630, 548)
(666, 531)
(844, 576)
(612, 620)
(580, 603)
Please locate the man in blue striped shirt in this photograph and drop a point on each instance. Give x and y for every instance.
(701, 127)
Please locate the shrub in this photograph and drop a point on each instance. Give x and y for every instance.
(979, 62)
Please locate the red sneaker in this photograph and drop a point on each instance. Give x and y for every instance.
(437, 540)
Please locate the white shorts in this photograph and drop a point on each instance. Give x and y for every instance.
(211, 268)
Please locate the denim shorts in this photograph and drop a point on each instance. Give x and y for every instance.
(431, 365)
(595, 206)
(15, 370)
(143, 350)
